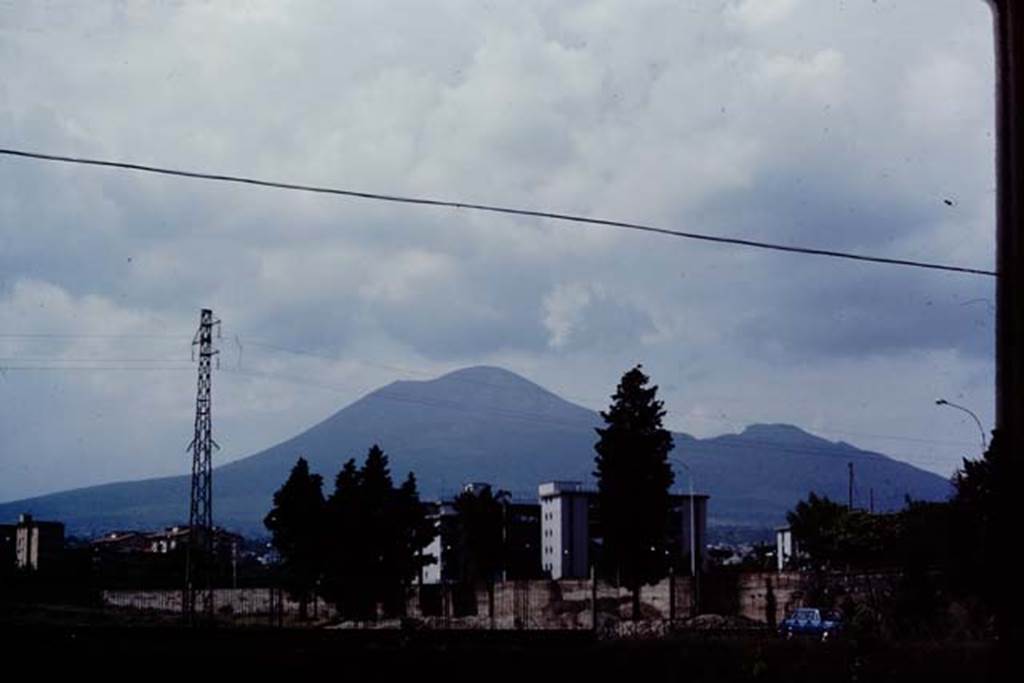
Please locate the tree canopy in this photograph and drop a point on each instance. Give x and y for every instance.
(633, 479)
(377, 533)
(296, 524)
(363, 545)
(481, 525)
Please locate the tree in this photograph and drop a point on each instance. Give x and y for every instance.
(831, 534)
(633, 480)
(481, 521)
(343, 541)
(816, 523)
(418, 530)
(402, 556)
(375, 538)
(295, 525)
(984, 519)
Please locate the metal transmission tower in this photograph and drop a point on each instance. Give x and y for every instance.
(197, 600)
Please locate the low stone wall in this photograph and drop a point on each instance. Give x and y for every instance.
(227, 602)
(567, 604)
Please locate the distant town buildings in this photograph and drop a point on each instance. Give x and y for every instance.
(161, 542)
(556, 537)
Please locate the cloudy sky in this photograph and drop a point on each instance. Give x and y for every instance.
(858, 125)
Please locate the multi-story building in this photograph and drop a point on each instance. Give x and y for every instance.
(786, 548)
(570, 530)
(443, 567)
(520, 529)
(566, 510)
(679, 529)
(37, 544)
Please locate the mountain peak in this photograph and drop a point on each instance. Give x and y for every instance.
(485, 423)
(485, 383)
(780, 433)
(482, 389)
(487, 374)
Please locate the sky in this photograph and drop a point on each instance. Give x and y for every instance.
(855, 125)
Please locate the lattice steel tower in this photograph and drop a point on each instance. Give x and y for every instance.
(197, 599)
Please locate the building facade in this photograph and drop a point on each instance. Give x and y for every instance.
(37, 544)
(520, 529)
(786, 548)
(571, 532)
(566, 534)
(679, 530)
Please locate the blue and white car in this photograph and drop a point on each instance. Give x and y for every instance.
(809, 622)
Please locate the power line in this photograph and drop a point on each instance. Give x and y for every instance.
(49, 335)
(147, 368)
(56, 359)
(426, 201)
(37, 364)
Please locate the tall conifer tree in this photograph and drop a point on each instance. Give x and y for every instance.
(633, 478)
(295, 523)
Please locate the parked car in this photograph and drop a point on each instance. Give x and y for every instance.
(809, 622)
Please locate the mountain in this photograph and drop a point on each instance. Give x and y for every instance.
(489, 424)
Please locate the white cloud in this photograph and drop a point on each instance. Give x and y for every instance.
(563, 310)
(831, 124)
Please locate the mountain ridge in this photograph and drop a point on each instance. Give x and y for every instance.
(485, 423)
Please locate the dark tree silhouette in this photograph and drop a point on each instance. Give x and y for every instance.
(633, 479)
(830, 534)
(295, 523)
(417, 531)
(375, 538)
(985, 510)
(817, 523)
(481, 523)
(343, 543)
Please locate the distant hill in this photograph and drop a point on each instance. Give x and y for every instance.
(489, 424)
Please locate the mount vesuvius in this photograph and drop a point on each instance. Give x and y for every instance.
(489, 424)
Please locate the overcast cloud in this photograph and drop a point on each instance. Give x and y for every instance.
(857, 125)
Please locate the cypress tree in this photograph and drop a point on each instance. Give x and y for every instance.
(295, 523)
(633, 478)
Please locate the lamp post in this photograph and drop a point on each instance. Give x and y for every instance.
(693, 554)
(944, 402)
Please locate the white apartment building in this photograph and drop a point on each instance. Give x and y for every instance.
(565, 529)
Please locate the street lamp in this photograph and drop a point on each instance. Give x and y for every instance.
(944, 402)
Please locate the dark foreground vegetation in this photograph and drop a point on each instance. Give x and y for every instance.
(123, 642)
